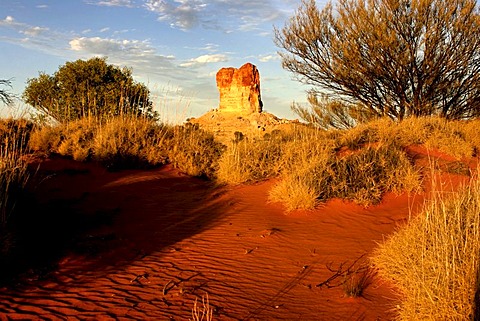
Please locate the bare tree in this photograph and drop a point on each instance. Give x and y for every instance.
(395, 58)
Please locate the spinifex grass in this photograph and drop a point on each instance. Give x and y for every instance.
(362, 177)
(434, 260)
(13, 167)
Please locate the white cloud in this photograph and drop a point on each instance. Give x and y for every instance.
(267, 58)
(112, 3)
(22, 28)
(139, 55)
(8, 21)
(104, 29)
(204, 59)
(241, 15)
(182, 14)
(42, 6)
(34, 31)
(106, 47)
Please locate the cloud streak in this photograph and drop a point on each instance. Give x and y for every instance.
(112, 3)
(205, 59)
(239, 15)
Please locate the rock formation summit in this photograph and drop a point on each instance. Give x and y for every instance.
(240, 108)
(239, 89)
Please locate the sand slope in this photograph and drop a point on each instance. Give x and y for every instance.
(167, 239)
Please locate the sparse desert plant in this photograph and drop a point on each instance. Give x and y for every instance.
(203, 312)
(434, 260)
(357, 280)
(353, 278)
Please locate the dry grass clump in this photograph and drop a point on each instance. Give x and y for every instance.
(455, 138)
(250, 160)
(434, 260)
(362, 177)
(118, 142)
(130, 142)
(194, 151)
(14, 175)
(14, 135)
(69, 139)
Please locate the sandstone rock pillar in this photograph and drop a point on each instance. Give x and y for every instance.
(239, 90)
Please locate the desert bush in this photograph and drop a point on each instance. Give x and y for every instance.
(194, 151)
(456, 138)
(434, 260)
(363, 177)
(88, 88)
(395, 59)
(130, 142)
(249, 160)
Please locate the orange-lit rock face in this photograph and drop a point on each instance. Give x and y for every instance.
(240, 89)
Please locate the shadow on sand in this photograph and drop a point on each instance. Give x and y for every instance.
(105, 220)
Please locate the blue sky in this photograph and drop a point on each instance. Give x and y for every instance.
(173, 46)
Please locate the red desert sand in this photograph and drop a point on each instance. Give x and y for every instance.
(172, 239)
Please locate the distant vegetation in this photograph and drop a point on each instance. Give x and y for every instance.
(90, 88)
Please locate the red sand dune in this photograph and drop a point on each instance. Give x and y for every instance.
(168, 239)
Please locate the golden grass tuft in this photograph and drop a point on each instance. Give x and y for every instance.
(363, 177)
(194, 151)
(14, 175)
(434, 260)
